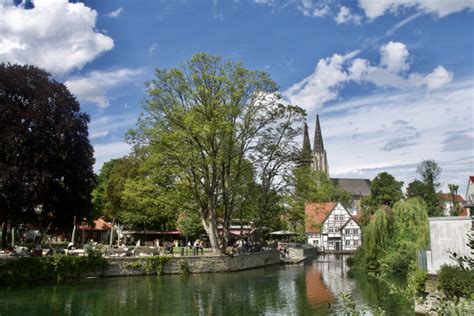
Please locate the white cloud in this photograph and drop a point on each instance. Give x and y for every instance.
(94, 135)
(105, 151)
(394, 56)
(331, 73)
(93, 86)
(115, 13)
(55, 35)
(321, 11)
(374, 9)
(154, 48)
(346, 16)
(394, 131)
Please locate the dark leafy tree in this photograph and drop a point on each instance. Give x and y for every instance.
(416, 189)
(385, 190)
(430, 173)
(45, 156)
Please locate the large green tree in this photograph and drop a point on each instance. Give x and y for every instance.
(45, 156)
(206, 123)
(385, 190)
(428, 186)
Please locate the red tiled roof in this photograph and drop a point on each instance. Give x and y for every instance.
(316, 213)
(447, 197)
(99, 224)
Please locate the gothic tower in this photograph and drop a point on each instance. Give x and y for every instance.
(320, 161)
(306, 159)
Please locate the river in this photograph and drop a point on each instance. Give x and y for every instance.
(307, 289)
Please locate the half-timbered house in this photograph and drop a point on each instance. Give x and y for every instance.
(330, 227)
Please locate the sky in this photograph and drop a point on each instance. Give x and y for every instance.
(392, 80)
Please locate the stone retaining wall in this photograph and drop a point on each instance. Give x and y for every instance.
(196, 264)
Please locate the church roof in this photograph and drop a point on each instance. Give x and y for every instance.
(354, 186)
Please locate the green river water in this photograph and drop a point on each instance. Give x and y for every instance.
(306, 289)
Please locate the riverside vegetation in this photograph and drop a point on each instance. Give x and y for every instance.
(392, 239)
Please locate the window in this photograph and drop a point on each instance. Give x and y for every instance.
(331, 243)
(356, 231)
(356, 243)
(330, 229)
(347, 231)
(348, 242)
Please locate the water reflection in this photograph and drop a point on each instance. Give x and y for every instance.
(309, 289)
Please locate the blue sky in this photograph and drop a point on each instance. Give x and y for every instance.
(392, 80)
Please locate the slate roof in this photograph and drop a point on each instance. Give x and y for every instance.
(316, 213)
(354, 186)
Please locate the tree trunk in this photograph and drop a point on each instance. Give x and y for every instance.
(112, 232)
(4, 234)
(210, 225)
(73, 235)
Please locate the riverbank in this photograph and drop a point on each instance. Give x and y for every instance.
(20, 270)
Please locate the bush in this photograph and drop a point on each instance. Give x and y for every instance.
(416, 281)
(456, 282)
(58, 267)
(155, 264)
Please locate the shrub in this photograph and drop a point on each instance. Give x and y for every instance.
(456, 282)
(58, 267)
(416, 281)
(156, 264)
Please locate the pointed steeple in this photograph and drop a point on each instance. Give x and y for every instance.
(318, 138)
(306, 156)
(320, 160)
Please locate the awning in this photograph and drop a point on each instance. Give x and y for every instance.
(283, 232)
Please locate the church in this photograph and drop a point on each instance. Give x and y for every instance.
(330, 226)
(317, 159)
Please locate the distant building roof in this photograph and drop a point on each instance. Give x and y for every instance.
(316, 213)
(447, 197)
(354, 186)
(99, 225)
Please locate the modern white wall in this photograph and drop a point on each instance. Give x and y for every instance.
(447, 234)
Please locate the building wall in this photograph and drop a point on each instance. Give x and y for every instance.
(331, 238)
(351, 236)
(447, 234)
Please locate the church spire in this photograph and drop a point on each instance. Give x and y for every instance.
(320, 160)
(306, 156)
(318, 138)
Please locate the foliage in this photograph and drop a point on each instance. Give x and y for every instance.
(207, 126)
(416, 281)
(392, 238)
(385, 190)
(427, 188)
(456, 282)
(57, 267)
(465, 262)
(134, 265)
(453, 190)
(155, 264)
(189, 224)
(46, 159)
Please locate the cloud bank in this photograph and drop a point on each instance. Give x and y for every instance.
(55, 35)
(331, 73)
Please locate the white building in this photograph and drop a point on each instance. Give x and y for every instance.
(331, 227)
